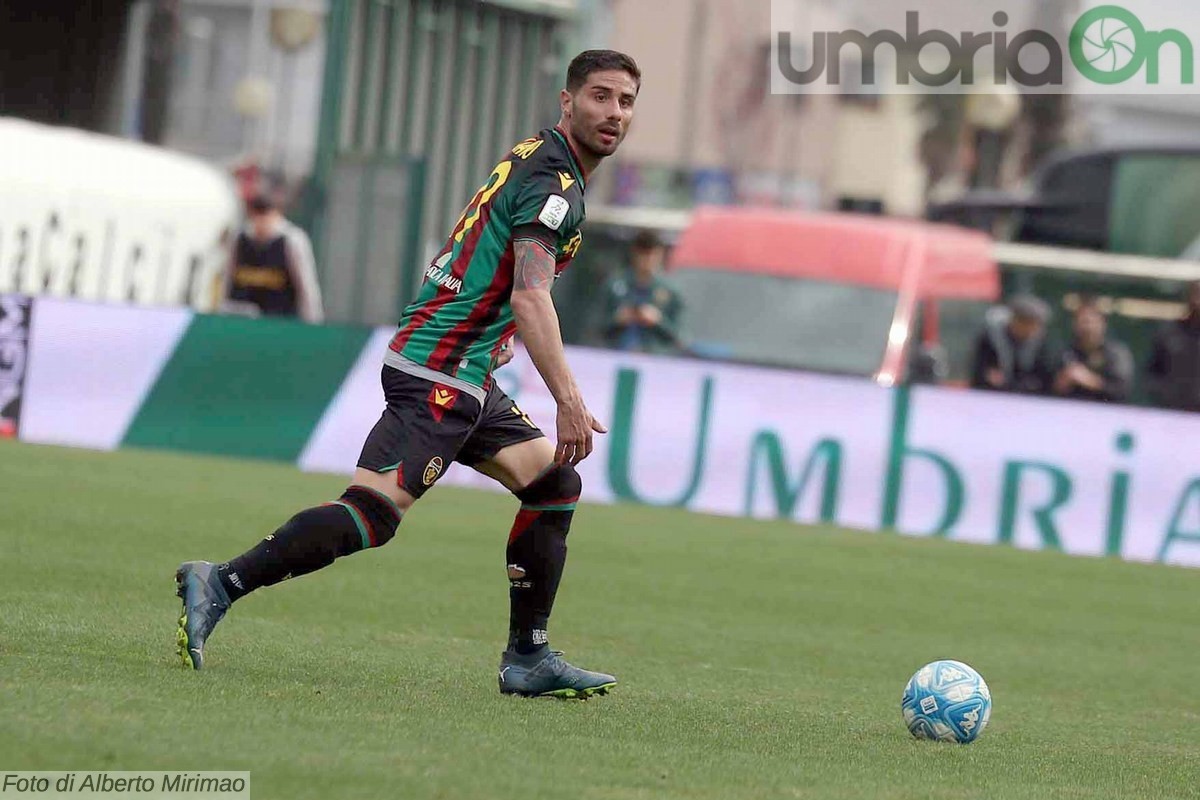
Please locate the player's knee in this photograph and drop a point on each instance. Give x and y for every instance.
(570, 482)
(384, 483)
(381, 516)
(560, 486)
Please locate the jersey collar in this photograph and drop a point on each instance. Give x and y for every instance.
(574, 159)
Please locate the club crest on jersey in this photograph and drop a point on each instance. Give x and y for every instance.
(554, 212)
(432, 470)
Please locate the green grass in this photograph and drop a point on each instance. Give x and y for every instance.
(755, 659)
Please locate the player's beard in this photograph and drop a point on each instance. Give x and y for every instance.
(588, 138)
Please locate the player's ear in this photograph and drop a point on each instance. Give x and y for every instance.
(564, 103)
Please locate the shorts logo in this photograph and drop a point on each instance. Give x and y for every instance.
(441, 399)
(432, 470)
(524, 417)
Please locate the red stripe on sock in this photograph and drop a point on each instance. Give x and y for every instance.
(524, 519)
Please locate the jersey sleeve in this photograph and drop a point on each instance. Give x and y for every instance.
(540, 234)
(544, 202)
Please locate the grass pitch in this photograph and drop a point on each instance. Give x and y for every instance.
(756, 660)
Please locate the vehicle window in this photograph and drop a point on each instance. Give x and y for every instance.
(785, 322)
(959, 325)
(1155, 205)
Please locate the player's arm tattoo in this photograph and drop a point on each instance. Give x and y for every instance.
(534, 267)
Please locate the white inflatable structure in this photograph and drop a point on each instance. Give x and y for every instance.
(110, 220)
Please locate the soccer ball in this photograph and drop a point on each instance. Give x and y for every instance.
(947, 701)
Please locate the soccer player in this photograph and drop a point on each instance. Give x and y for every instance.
(491, 279)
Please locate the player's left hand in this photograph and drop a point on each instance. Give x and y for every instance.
(575, 428)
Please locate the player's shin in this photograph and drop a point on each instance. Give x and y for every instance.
(314, 538)
(536, 554)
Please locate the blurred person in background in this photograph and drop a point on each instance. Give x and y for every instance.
(272, 270)
(248, 176)
(643, 308)
(1012, 353)
(1094, 366)
(1173, 373)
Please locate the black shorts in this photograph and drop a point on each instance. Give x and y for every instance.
(427, 425)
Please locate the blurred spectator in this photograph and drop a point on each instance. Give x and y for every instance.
(250, 180)
(1094, 367)
(643, 308)
(272, 271)
(1012, 354)
(1173, 374)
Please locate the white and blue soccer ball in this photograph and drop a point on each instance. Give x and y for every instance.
(947, 701)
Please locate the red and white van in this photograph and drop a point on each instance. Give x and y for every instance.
(833, 292)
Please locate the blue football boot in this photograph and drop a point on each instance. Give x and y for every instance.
(204, 603)
(548, 675)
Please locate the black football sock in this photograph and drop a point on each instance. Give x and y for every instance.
(537, 552)
(313, 539)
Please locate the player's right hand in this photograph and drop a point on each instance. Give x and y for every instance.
(575, 427)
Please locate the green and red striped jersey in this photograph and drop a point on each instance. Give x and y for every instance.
(463, 311)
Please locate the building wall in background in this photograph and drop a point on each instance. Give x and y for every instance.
(217, 48)
(1139, 121)
(707, 127)
(875, 154)
(57, 60)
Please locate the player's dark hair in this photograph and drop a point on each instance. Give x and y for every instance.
(590, 61)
